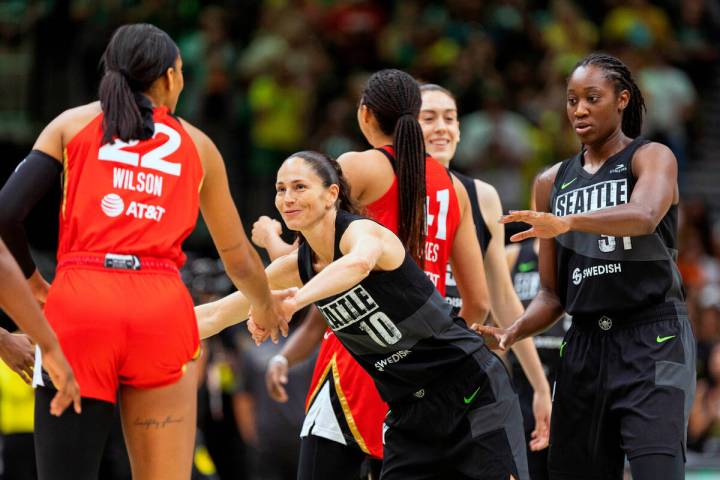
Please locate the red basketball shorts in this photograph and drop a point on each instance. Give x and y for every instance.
(129, 327)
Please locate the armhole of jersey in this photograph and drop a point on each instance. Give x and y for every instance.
(180, 121)
(390, 158)
(304, 258)
(632, 179)
(86, 127)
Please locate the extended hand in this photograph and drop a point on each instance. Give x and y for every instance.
(68, 390)
(495, 338)
(18, 352)
(263, 228)
(270, 322)
(543, 225)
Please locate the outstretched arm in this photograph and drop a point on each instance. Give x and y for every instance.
(545, 309)
(655, 168)
(241, 261)
(215, 316)
(365, 246)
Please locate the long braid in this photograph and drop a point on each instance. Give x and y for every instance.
(394, 98)
(620, 75)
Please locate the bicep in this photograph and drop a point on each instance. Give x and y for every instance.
(656, 171)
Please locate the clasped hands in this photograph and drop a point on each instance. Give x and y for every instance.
(285, 301)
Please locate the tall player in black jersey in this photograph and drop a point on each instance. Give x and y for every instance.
(453, 413)
(607, 225)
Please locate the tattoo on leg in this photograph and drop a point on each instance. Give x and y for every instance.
(156, 423)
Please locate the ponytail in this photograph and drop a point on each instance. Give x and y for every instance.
(394, 98)
(137, 55)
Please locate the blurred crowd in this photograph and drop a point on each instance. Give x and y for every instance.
(265, 78)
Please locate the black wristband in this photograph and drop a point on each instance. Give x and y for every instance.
(32, 179)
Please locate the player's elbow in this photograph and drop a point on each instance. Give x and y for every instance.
(360, 266)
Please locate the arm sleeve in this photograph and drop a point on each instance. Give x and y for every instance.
(32, 179)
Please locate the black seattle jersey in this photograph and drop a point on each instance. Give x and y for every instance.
(452, 295)
(601, 273)
(394, 323)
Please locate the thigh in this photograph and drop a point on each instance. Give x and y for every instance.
(69, 447)
(159, 427)
(584, 439)
(321, 458)
(655, 383)
(493, 447)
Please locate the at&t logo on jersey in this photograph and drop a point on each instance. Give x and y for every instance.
(113, 205)
(579, 275)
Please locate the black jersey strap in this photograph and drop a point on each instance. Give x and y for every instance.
(32, 179)
(481, 229)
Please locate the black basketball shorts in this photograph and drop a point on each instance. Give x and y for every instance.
(465, 426)
(624, 388)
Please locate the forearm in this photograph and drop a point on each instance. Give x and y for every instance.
(339, 276)
(507, 308)
(628, 220)
(247, 273)
(543, 311)
(17, 301)
(276, 247)
(215, 316)
(305, 339)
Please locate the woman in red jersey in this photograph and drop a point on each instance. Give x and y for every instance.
(392, 182)
(134, 176)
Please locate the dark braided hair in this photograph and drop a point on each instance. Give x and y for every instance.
(394, 98)
(618, 73)
(137, 55)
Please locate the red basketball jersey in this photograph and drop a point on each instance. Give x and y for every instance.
(136, 197)
(362, 406)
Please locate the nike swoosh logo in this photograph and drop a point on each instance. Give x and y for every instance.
(326, 335)
(567, 184)
(469, 399)
(562, 347)
(660, 339)
(526, 266)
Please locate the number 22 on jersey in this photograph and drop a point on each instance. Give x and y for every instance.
(153, 160)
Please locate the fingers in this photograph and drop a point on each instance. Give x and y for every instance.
(518, 216)
(539, 438)
(519, 237)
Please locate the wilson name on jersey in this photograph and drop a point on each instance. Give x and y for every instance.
(600, 273)
(394, 323)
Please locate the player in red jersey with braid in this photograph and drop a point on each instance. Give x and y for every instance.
(134, 176)
(394, 182)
